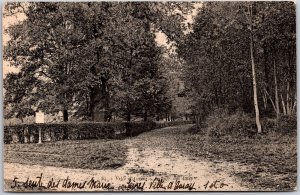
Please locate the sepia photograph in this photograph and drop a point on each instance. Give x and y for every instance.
(136, 96)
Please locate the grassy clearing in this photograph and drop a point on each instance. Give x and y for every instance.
(271, 158)
(85, 154)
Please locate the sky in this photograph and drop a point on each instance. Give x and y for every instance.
(161, 38)
(6, 22)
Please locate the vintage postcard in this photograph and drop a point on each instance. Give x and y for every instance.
(149, 96)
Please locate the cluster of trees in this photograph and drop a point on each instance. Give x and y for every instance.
(242, 55)
(87, 58)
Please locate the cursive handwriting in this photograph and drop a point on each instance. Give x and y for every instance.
(189, 186)
(157, 183)
(29, 183)
(132, 184)
(214, 185)
(96, 184)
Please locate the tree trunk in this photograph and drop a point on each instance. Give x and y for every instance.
(95, 99)
(99, 95)
(145, 115)
(105, 93)
(257, 119)
(283, 106)
(266, 70)
(276, 90)
(65, 115)
(128, 117)
(288, 107)
(294, 105)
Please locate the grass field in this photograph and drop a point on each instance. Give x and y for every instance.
(86, 154)
(271, 158)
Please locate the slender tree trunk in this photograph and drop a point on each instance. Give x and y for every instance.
(288, 106)
(94, 100)
(267, 81)
(145, 115)
(65, 111)
(65, 115)
(276, 90)
(128, 117)
(283, 106)
(87, 105)
(220, 95)
(294, 105)
(257, 119)
(92, 104)
(105, 93)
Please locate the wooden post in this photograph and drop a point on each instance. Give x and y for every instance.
(40, 118)
(40, 136)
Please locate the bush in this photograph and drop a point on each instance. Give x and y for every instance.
(287, 124)
(221, 124)
(78, 131)
(61, 131)
(268, 124)
(172, 123)
(136, 128)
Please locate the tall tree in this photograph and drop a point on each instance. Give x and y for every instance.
(77, 53)
(257, 118)
(47, 48)
(239, 54)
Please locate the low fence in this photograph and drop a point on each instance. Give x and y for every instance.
(29, 133)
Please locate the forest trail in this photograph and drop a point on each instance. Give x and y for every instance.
(151, 166)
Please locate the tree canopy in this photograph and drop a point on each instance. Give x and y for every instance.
(92, 60)
(217, 56)
(86, 58)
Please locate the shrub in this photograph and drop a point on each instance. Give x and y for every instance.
(236, 125)
(62, 131)
(196, 129)
(268, 124)
(77, 131)
(172, 123)
(135, 128)
(287, 124)
(220, 123)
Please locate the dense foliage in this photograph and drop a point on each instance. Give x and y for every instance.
(97, 60)
(236, 49)
(29, 133)
(83, 59)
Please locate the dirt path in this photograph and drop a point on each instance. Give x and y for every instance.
(150, 167)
